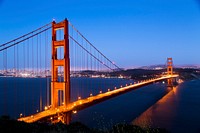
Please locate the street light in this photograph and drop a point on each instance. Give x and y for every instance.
(45, 108)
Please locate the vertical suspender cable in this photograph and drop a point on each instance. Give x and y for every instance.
(17, 74)
(40, 78)
(76, 62)
(37, 50)
(46, 81)
(4, 82)
(14, 76)
(81, 67)
(33, 74)
(28, 72)
(24, 89)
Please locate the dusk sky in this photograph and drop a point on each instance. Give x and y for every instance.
(131, 33)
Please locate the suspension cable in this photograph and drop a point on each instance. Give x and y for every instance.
(93, 45)
(90, 53)
(25, 35)
(25, 39)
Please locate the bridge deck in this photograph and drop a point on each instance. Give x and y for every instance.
(89, 101)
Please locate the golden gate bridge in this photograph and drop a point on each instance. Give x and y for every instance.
(58, 52)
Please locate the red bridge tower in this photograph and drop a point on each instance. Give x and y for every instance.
(169, 71)
(56, 85)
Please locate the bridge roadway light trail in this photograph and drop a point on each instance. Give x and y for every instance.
(81, 102)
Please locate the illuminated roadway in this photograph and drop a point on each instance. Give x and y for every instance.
(89, 101)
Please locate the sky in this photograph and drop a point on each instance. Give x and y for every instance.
(131, 33)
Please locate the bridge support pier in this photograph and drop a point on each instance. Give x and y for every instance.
(63, 117)
(170, 82)
(67, 118)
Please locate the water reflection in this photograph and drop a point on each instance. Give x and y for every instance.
(159, 111)
(178, 111)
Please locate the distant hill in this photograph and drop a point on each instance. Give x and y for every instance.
(163, 66)
(151, 72)
(154, 67)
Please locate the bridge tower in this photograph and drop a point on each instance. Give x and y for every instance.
(56, 85)
(170, 71)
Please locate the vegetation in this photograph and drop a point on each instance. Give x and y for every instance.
(8, 125)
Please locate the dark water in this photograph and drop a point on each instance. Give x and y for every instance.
(178, 111)
(121, 109)
(29, 95)
(22, 95)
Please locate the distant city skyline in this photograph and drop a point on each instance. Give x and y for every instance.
(130, 33)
